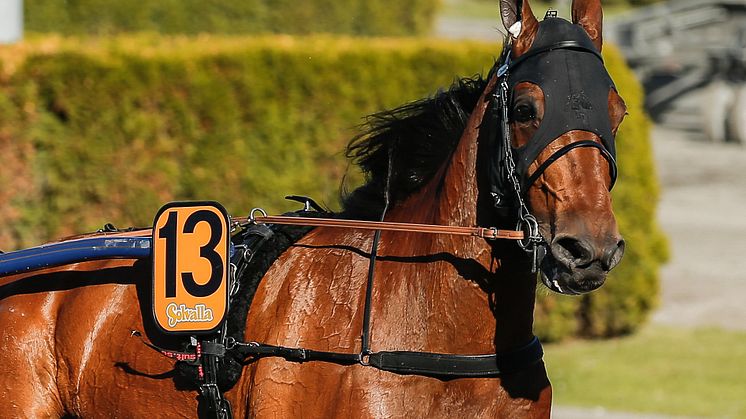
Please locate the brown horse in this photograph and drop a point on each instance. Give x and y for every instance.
(66, 344)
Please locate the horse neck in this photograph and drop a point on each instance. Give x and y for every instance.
(450, 198)
(453, 188)
(459, 190)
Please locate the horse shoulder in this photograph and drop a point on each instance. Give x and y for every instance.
(313, 293)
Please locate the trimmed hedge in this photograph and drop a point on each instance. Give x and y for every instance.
(355, 17)
(109, 130)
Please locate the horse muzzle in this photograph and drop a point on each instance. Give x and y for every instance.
(576, 265)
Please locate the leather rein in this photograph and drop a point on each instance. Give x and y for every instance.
(490, 233)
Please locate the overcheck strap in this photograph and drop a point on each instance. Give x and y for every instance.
(487, 233)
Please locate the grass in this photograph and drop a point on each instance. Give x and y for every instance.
(660, 370)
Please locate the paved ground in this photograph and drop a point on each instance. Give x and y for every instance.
(703, 212)
(561, 412)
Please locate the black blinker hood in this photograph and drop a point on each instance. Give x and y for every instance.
(565, 64)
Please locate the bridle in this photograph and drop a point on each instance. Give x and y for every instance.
(509, 184)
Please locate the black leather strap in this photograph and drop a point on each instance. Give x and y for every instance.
(212, 404)
(255, 349)
(410, 363)
(365, 337)
(566, 149)
(573, 45)
(458, 366)
(432, 364)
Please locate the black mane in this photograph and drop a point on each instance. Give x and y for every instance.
(420, 135)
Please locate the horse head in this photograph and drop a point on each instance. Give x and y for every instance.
(561, 118)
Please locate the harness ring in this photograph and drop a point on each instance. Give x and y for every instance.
(532, 236)
(252, 218)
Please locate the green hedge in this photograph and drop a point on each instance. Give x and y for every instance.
(109, 130)
(357, 17)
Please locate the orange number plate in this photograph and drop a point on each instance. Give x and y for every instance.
(190, 267)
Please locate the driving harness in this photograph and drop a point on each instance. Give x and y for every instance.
(576, 86)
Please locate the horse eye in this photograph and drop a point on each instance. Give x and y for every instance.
(524, 113)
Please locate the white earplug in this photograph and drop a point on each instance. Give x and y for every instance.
(515, 30)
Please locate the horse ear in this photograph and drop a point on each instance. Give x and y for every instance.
(589, 15)
(521, 24)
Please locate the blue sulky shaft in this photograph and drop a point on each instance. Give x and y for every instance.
(74, 251)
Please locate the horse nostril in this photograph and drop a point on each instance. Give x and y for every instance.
(572, 252)
(613, 256)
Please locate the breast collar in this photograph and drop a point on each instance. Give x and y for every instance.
(568, 68)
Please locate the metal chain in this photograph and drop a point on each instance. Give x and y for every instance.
(525, 218)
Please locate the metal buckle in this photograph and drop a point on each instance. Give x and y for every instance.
(504, 93)
(234, 283)
(503, 70)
